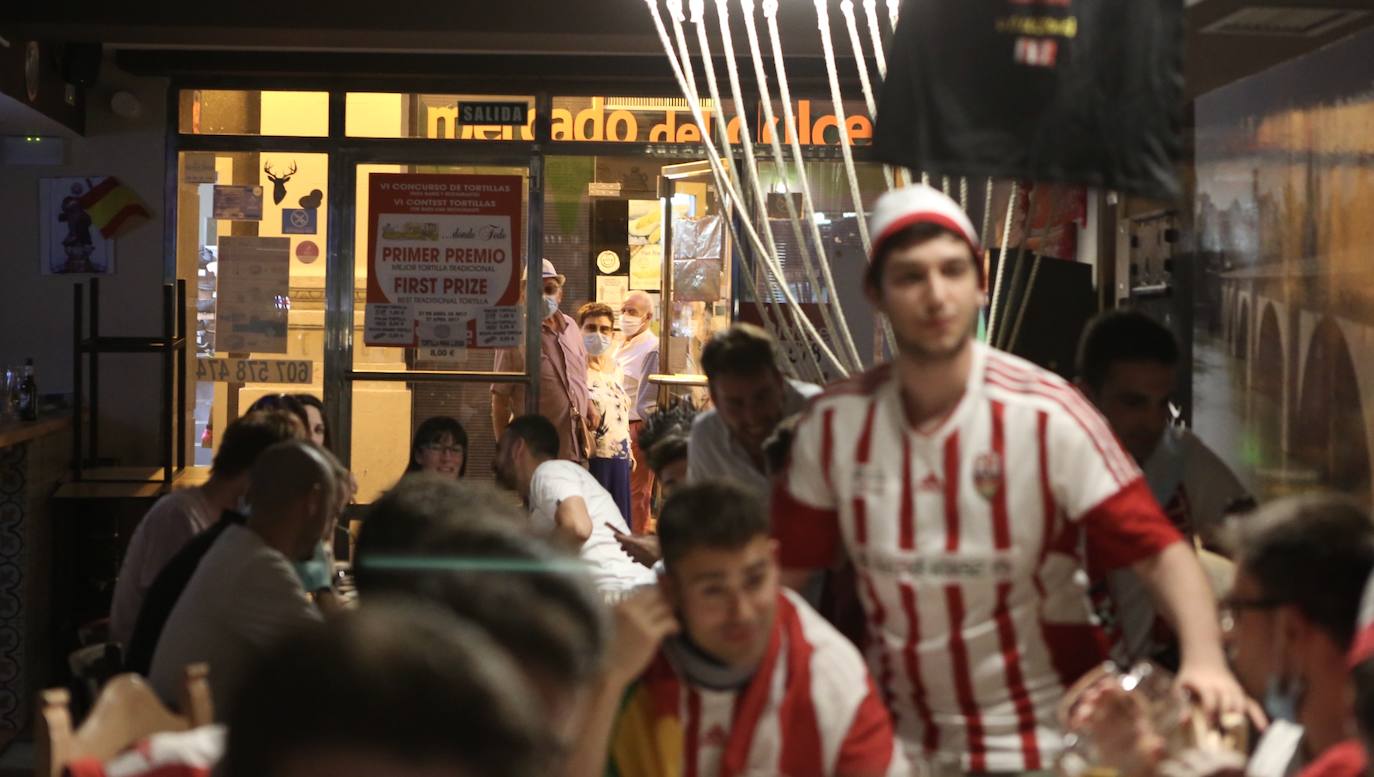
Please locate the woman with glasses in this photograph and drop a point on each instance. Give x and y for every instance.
(440, 446)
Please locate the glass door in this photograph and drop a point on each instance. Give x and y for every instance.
(434, 290)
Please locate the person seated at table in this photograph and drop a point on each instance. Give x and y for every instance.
(316, 577)
(316, 425)
(245, 593)
(181, 515)
(462, 546)
(719, 670)
(664, 435)
(440, 446)
(566, 502)
(389, 690)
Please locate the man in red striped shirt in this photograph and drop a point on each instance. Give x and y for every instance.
(719, 672)
(968, 487)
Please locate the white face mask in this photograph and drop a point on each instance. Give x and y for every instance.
(597, 344)
(629, 324)
(550, 306)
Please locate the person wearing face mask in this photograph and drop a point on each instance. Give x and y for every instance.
(1290, 622)
(611, 460)
(563, 396)
(638, 359)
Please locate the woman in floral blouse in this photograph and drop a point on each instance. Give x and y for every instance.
(610, 461)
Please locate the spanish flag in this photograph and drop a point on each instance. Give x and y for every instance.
(113, 207)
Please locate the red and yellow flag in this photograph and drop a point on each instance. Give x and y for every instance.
(113, 207)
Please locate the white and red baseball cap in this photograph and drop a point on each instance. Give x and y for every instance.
(918, 204)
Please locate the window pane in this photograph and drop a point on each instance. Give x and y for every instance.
(280, 246)
(386, 414)
(246, 112)
(411, 115)
(367, 357)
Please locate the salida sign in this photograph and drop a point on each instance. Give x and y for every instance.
(443, 260)
(594, 123)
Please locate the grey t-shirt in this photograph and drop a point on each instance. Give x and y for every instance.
(243, 596)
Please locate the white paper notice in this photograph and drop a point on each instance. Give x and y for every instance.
(389, 325)
(251, 304)
(442, 327)
(500, 328)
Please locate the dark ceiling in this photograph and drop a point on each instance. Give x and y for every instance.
(507, 30)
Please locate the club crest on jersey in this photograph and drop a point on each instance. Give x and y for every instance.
(987, 474)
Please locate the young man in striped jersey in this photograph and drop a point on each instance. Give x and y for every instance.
(719, 672)
(968, 486)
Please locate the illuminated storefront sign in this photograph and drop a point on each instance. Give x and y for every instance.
(652, 120)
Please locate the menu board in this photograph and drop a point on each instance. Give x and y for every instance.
(443, 260)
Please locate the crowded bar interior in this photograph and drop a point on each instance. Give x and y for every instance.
(672, 388)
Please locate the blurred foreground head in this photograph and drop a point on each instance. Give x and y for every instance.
(462, 546)
(386, 692)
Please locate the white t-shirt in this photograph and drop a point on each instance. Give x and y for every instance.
(243, 596)
(163, 532)
(968, 542)
(612, 569)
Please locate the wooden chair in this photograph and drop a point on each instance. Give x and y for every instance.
(126, 711)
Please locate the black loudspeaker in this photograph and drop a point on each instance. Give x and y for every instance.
(1058, 305)
(79, 63)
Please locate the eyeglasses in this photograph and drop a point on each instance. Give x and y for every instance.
(434, 447)
(1232, 606)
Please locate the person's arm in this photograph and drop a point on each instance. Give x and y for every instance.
(572, 520)
(646, 399)
(869, 748)
(804, 506)
(1099, 485)
(1184, 597)
(505, 360)
(500, 413)
(642, 621)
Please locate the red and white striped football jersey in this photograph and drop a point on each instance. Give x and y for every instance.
(969, 544)
(810, 710)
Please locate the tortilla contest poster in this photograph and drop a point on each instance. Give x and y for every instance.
(443, 260)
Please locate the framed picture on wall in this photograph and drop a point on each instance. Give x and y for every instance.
(69, 242)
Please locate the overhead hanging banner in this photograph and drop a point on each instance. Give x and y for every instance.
(1080, 91)
(443, 260)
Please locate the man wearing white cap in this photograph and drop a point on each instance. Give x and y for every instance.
(966, 485)
(563, 397)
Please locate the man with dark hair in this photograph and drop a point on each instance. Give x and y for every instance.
(246, 593)
(1128, 367)
(664, 435)
(566, 501)
(459, 545)
(767, 686)
(962, 483)
(1291, 617)
(749, 398)
(186, 512)
(388, 690)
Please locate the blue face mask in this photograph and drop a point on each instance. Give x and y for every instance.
(1282, 695)
(315, 574)
(550, 306)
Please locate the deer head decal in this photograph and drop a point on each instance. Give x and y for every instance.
(279, 181)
